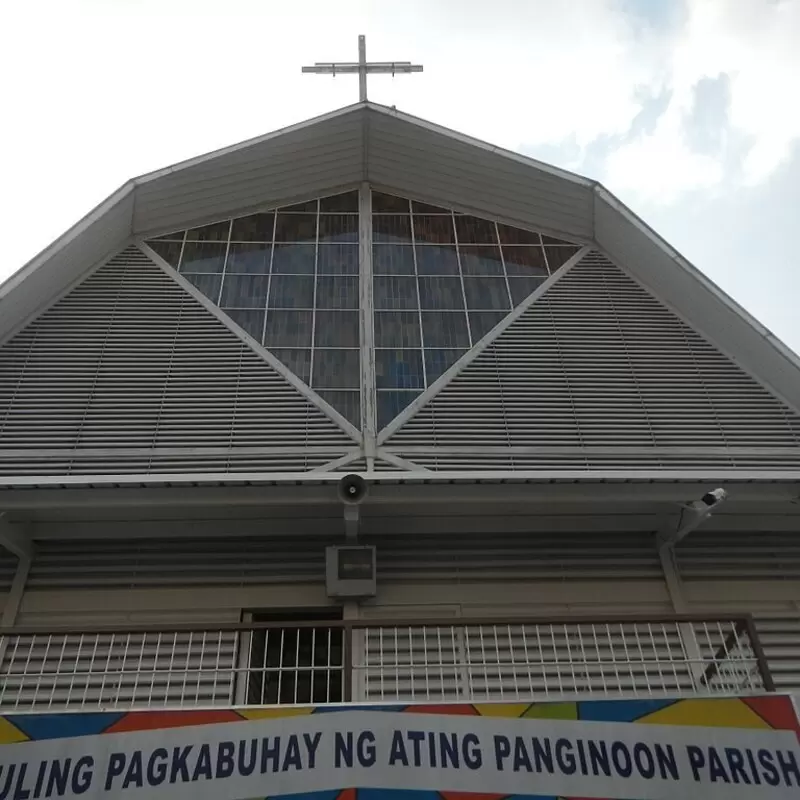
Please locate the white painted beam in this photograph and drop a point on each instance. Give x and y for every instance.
(386, 488)
(14, 597)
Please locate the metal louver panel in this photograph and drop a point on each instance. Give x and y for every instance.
(138, 563)
(598, 373)
(129, 373)
(495, 556)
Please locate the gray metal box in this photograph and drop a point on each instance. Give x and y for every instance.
(350, 571)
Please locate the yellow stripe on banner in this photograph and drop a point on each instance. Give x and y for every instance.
(501, 709)
(710, 713)
(10, 734)
(274, 713)
(552, 711)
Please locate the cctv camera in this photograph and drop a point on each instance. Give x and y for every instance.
(713, 497)
(352, 489)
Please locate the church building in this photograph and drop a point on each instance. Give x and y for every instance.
(365, 413)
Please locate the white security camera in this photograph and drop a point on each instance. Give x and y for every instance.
(694, 514)
(713, 497)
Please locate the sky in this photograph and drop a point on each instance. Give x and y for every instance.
(687, 110)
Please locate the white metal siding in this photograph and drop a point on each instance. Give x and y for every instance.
(301, 162)
(428, 163)
(598, 373)
(129, 373)
(164, 562)
(740, 556)
(492, 556)
(485, 557)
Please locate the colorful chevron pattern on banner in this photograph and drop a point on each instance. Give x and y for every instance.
(750, 713)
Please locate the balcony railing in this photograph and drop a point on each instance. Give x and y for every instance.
(430, 661)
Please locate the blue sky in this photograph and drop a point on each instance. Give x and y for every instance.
(683, 108)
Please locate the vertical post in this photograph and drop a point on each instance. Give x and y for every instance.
(362, 69)
(666, 555)
(758, 652)
(368, 413)
(347, 662)
(13, 602)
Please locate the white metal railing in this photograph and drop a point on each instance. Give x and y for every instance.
(275, 663)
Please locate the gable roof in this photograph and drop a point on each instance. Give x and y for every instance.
(400, 152)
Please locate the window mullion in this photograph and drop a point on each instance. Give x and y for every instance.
(366, 335)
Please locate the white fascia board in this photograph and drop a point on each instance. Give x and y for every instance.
(191, 162)
(787, 478)
(481, 145)
(785, 386)
(80, 228)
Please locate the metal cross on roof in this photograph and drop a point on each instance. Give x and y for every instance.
(362, 67)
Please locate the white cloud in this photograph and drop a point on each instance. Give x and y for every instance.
(660, 168)
(754, 44)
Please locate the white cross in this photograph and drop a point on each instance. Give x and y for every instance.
(362, 67)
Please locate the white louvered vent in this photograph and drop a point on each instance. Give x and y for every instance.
(140, 563)
(129, 373)
(598, 373)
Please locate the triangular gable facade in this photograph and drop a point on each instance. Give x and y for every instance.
(622, 357)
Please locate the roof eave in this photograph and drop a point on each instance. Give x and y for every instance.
(787, 390)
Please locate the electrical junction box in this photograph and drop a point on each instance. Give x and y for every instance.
(350, 571)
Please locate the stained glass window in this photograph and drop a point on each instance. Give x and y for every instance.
(289, 277)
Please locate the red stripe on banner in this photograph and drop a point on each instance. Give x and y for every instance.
(777, 711)
(152, 720)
